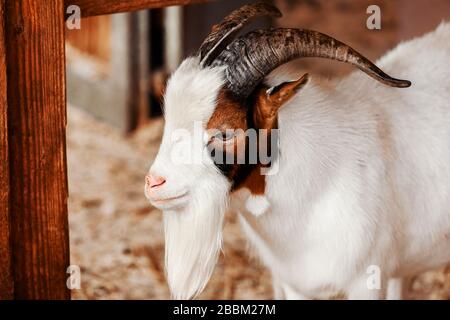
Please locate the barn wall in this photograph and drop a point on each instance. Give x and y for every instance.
(102, 60)
(346, 21)
(199, 19)
(94, 39)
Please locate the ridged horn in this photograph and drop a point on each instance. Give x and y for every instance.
(253, 56)
(222, 34)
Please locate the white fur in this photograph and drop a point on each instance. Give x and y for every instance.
(193, 224)
(364, 175)
(257, 205)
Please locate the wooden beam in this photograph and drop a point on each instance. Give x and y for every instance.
(36, 129)
(6, 280)
(99, 7)
(138, 56)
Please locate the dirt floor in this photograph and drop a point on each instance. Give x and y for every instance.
(116, 236)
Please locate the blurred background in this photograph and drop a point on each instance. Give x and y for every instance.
(117, 66)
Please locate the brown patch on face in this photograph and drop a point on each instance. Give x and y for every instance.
(260, 111)
(230, 113)
(233, 114)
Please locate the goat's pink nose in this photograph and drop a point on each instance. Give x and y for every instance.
(154, 181)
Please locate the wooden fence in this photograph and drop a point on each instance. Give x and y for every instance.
(34, 238)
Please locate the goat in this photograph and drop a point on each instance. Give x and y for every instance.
(361, 182)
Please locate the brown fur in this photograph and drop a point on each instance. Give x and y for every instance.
(259, 112)
(255, 182)
(267, 105)
(229, 113)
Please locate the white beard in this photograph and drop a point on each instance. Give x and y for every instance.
(194, 239)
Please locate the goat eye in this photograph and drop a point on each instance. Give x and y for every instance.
(225, 136)
(222, 136)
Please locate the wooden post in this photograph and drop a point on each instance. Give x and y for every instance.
(34, 240)
(99, 7)
(6, 281)
(137, 103)
(36, 129)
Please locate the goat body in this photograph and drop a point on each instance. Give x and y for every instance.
(363, 181)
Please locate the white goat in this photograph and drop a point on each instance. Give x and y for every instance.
(362, 181)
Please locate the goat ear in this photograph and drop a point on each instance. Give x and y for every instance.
(269, 101)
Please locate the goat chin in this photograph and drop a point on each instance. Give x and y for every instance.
(193, 241)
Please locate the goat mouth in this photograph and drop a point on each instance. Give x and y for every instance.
(164, 200)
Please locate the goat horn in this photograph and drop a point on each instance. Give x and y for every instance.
(222, 34)
(253, 56)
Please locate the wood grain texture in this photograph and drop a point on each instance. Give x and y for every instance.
(36, 128)
(93, 38)
(99, 7)
(6, 281)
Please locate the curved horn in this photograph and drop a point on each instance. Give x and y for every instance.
(253, 56)
(222, 34)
